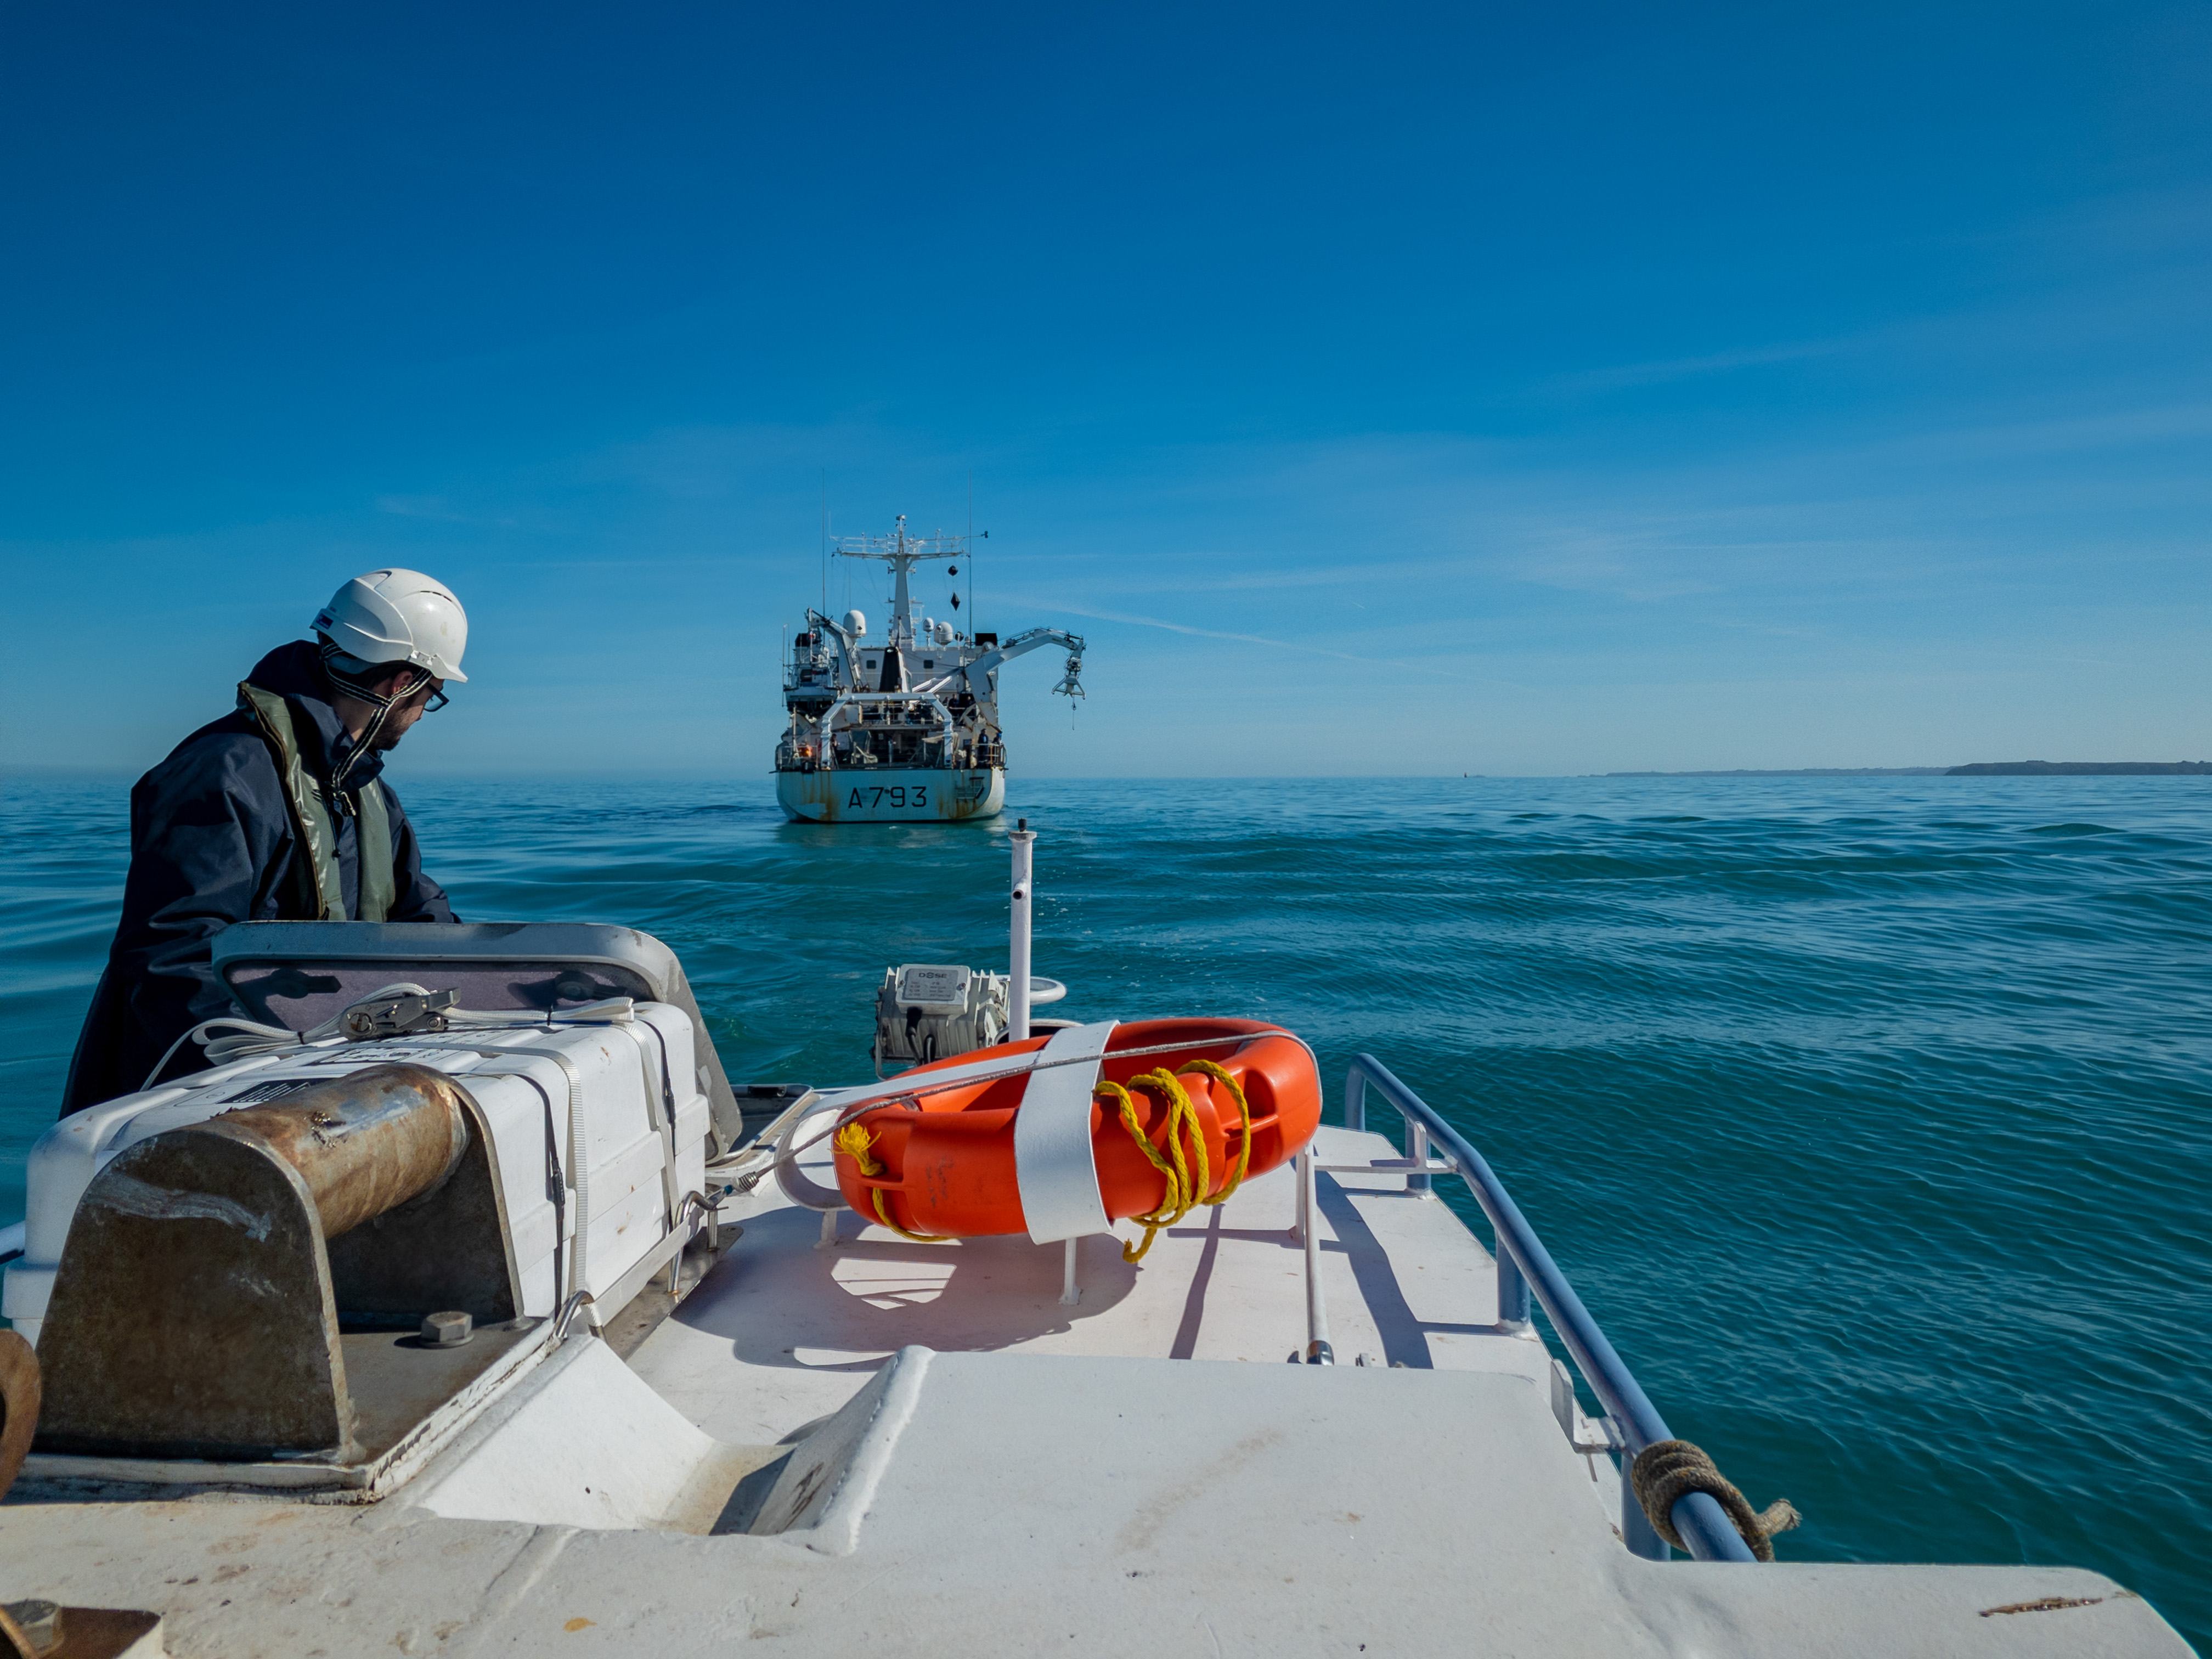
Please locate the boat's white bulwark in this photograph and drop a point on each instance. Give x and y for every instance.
(891, 794)
(895, 1448)
(817, 1430)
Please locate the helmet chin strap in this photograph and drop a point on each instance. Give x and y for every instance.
(383, 703)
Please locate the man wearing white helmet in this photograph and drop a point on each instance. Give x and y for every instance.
(276, 810)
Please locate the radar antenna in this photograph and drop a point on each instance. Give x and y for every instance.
(902, 551)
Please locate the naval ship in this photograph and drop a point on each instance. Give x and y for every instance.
(906, 731)
(463, 1308)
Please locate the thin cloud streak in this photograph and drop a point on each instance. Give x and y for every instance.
(1680, 368)
(1066, 608)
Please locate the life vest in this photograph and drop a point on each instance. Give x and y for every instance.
(1201, 1106)
(322, 896)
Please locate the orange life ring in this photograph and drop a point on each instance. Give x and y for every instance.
(944, 1161)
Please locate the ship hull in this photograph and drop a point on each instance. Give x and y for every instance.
(891, 794)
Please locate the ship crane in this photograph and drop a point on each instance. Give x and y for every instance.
(846, 639)
(976, 679)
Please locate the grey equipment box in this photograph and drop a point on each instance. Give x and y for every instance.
(298, 974)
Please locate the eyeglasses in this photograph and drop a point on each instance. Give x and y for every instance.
(435, 702)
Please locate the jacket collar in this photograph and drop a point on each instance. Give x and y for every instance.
(295, 672)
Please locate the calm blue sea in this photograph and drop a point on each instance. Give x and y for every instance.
(1873, 1117)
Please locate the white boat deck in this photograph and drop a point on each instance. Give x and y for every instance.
(1138, 1474)
(1407, 1284)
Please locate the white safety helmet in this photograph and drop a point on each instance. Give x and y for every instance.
(395, 617)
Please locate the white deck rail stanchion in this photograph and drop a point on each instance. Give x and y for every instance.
(1318, 1352)
(1017, 998)
(1018, 945)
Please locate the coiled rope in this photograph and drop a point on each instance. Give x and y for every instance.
(1188, 1178)
(1667, 1470)
(1188, 1175)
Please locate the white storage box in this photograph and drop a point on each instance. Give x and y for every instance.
(599, 1131)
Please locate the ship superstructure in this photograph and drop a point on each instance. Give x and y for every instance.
(904, 729)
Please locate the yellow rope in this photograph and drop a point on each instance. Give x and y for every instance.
(1221, 1074)
(857, 1144)
(1186, 1187)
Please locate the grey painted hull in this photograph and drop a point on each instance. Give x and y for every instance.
(891, 794)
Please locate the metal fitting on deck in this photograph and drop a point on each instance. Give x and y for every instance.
(197, 1309)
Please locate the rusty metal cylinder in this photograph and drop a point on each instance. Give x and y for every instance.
(364, 1143)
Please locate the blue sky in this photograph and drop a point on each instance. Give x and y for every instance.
(1391, 389)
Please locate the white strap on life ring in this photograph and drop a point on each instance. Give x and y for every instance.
(1056, 1170)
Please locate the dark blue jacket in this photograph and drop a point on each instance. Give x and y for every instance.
(211, 843)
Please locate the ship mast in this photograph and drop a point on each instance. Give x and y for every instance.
(901, 606)
(902, 551)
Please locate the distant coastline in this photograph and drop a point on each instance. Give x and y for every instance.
(2083, 770)
(1976, 770)
(1800, 772)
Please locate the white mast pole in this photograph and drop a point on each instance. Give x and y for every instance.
(1017, 948)
(902, 630)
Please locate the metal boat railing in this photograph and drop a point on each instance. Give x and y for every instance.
(1524, 1267)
